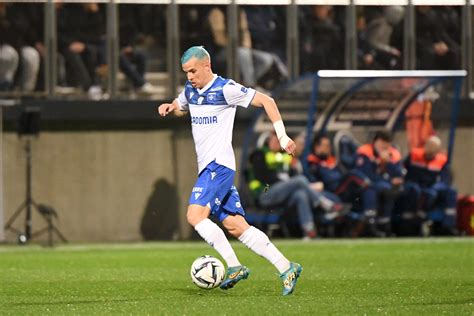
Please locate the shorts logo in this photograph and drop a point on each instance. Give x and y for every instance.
(217, 202)
(197, 192)
(213, 174)
(238, 205)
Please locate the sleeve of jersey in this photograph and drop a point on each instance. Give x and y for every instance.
(182, 101)
(237, 95)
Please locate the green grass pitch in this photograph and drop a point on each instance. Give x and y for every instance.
(343, 277)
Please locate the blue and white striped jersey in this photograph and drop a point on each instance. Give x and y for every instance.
(212, 110)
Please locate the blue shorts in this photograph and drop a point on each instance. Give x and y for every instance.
(214, 188)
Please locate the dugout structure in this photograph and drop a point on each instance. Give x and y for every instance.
(361, 103)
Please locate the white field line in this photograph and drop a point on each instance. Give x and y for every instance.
(198, 244)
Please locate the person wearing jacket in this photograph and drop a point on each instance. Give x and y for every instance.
(427, 187)
(380, 162)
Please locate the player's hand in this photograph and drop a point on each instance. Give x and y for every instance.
(317, 186)
(166, 108)
(77, 47)
(290, 147)
(385, 156)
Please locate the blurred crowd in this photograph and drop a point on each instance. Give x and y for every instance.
(81, 44)
(261, 53)
(343, 188)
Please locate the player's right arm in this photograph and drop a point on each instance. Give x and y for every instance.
(166, 108)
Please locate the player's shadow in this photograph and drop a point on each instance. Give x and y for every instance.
(160, 218)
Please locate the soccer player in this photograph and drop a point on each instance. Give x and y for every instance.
(212, 102)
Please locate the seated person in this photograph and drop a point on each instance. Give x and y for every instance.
(272, 185)
(324, 169)
(427, 187)
(381, 164)
(133, 61)
(255, 65)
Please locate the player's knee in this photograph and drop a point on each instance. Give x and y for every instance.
(194, 216)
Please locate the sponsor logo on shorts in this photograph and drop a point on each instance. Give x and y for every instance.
(217, 202)
(238, 205)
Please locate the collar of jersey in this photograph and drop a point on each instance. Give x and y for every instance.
(208, 85)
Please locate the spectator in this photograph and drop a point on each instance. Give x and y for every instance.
(272, 168)
(380, 163)
(80, 37)
(193, 32)
(253, 64)
(365, 51)
(436, 49)
(132, 61)
(321, 41)
(379, 32)
(267, 28)
(428, 188)
(23, 38)
(449, 17)
(8, 55)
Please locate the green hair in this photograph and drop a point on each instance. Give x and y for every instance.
(199, 52)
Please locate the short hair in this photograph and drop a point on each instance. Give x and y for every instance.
(198, 52)
(319, 138)
(384, 136)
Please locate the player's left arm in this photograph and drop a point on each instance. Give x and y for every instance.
(271, 108)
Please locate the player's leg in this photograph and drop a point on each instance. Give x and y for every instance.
(258, 242)
(206, 195)
(198, 218)
(255, 240)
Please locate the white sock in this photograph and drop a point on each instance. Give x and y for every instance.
(258, 242)
(215, 237)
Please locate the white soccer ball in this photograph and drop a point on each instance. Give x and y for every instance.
(207, 272)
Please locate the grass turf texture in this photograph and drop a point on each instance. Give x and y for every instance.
(347, 277)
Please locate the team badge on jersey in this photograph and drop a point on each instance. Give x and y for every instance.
(211, 96)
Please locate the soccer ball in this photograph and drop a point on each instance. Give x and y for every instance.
(207, 272)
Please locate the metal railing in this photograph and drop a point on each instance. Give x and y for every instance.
(173, 48)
